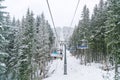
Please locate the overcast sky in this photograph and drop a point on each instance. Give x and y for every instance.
(62, 10)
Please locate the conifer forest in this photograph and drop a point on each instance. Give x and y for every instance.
(26, 44)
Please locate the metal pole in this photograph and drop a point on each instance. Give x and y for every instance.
(65, 62)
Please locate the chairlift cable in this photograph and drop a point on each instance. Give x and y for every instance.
(74, 13)
(52, 18)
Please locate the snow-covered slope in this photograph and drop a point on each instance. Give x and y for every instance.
(75, 71)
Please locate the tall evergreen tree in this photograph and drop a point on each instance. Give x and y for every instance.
(98, 43)
(42, 44)
(84, 23)
(26, 56)
(113, 31)
(3, 43)
(3, 55)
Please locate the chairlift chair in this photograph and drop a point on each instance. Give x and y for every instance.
(56, 54)
(83, 44)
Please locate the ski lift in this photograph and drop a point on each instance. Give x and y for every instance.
(83, 44)
(56, 54)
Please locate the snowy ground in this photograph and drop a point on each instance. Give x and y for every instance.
(75, 71)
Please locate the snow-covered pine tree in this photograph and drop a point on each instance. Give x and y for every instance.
(3, 55)
(25, 70)
(43, 41)
(82, 31)
(36, 47)
(85, 23)
(9, 46)
(13, 47)
(51, 35)
(3, 43)
(45, 50)
(97, 39)
(113, 32)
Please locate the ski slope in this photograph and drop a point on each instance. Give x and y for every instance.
(75, 71)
